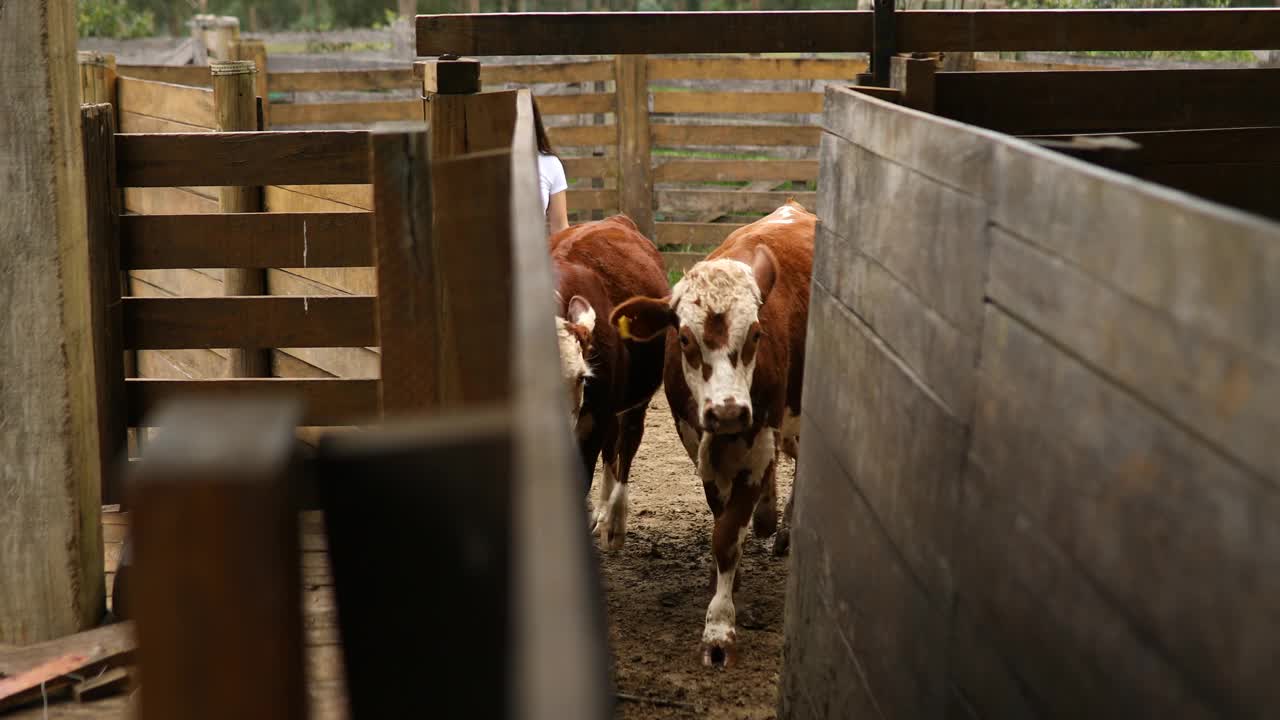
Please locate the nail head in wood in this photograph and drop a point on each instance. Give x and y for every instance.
(450, 77)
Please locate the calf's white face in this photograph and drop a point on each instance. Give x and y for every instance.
(715, 310)
(574, 335)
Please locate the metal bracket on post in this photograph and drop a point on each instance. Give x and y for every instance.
(883, 41)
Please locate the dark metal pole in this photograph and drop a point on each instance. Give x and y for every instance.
(883, 40)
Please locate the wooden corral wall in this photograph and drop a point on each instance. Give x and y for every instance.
(1038, 475)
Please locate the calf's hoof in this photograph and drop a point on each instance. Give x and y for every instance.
(611, 530)
(719, 646)
(782, 543)
(764, 521)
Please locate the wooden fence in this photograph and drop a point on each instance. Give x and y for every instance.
(456, 240)
(1039, 404)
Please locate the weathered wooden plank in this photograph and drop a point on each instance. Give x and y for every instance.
(577, 104)
(939, 353)
(737, 102)
(179, 103)
(165, 200)
(583, 135)
(323, 281)
(1246, 186)
(102, 209)
(51, 564)
(219, 322)
(592, 167)
(196, 75)
(242, 477)
(1169, 240)
(643, 33)
(329, 80)
(177, 281)
(723, 170)
(697, 234)
(947, 151)
(471, 123)
(843, 31)
(635, 165)
(592, 199)
(1219, 389)
(682, 261)
(753, 68)
(563, 72)
(1097, 469)
(409, 315)
(1106, 100)
(346, 112)
(328, 401)
(881, 621)
(936, 249)
(738, 135)
(242, 158)
(317, 198)
(135, 123)
(897, 443)
(254, 240)
(1063, 30)
(729, 201)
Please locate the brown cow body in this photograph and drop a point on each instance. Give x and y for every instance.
(734, 370)
(598, 265)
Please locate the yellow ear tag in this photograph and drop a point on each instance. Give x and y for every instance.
(624, 327)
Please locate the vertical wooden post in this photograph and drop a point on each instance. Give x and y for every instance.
(216, 591)
(399, 162)
(915, 79)
(635, 168)
(102, 204)
(883, 41)
(51, 579)
(256, 52)
(444, 285)
(236, 109)
(220, 34)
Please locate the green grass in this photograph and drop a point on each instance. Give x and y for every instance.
(1240, 56)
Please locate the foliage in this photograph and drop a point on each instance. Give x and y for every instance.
(113, 19)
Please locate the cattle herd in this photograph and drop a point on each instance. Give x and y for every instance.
(727, 344)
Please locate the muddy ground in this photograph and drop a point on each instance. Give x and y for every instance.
(657, 589)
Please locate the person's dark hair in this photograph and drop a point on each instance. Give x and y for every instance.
(544, 145)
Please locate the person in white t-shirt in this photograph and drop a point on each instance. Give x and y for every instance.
(551, 179)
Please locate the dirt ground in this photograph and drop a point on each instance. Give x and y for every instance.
(658, 591)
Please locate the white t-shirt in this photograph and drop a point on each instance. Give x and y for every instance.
(551, 178)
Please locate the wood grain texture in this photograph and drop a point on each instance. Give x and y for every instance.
(243, 158)
(408, 291)
(592, 199)
(331, 80)
(1109, 100)
(52, 561)
(562, 72)
(703, 234)
(318, 198)
(102, 209)
(635, 168)
(159, 201)
(188, 566)
(729, 201)
(747, 103)
(1097, 470)
(1213, 386)
(193, 75)
(334, 113)
(642, 33)
(327, 401)
(165, 101)
(593, 167)
(577, 104)
(722, 170)
(755, 68)
(843, 31)
(135, 123)
(251, 240)
(737, 135)
(267, 322)
(582, 135)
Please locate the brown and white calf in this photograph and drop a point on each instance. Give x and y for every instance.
(734, 370)
(610, 380)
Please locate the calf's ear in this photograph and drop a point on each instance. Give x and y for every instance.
(764, 266)
(642, 318)
(581, 313)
